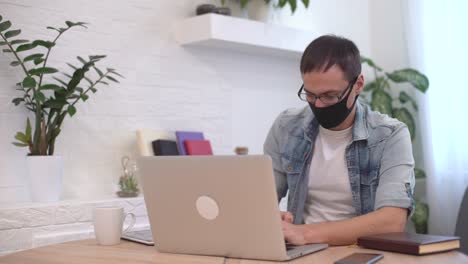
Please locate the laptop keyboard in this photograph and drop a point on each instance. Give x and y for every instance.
(290, 246)
(142, 234)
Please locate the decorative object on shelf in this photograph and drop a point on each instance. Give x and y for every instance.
(279, 4)
(223, 10)
(382, 96)
(128, 182)
(198, 147)
(261, 10)
(241, 150)
(164, 147)
(205, 9)
(182, 136)
(209, 8)
(49, 97)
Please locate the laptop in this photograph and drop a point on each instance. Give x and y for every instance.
(216, 205)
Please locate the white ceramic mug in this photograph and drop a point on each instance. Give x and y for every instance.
(108, 224)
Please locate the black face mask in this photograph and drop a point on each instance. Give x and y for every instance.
(333, 115)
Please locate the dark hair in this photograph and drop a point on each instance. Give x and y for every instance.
(329, 50)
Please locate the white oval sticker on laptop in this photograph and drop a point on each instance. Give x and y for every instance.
(207, 207)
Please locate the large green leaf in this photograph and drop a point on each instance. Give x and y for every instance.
(33, 56)
(76, 79)
(282, 3)
(243, 3)
(25, 47)
(293, 5)
(5, 25)
(19, 41)
(112, 71)
(29, 82)
(81, 60)
(39, 96)
(382, 102)
(12, 33)
(20, 144)
(51, 87)
(112, 79)
(55, 103)
(306, 3)
(404, 97)
(73, 24)
(98, 71)
(21, 137)
(38, 61)
(43, 70)
(370, 63)
(412, 76)
(56, 29)
(71, 110)
(405, 116)
(420, 217)
(43, 43)
(17, 100)
(370, 86)
(15, 63)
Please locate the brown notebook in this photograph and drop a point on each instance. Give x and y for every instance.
(415, 244)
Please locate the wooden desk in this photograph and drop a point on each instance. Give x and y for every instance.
(87, 251)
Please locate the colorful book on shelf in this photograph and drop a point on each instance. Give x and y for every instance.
(162, 147)
(198, 147)
(146, 136)
(182, 136)
(416, 244)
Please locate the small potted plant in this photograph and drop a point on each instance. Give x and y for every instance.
(51, 96)
(262, 10)
(128, 182)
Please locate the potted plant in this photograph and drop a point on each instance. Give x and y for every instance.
(128, 182)
(382, 96)
(263, 10)
(51, 96)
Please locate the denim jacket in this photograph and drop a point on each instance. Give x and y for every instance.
(379, 159)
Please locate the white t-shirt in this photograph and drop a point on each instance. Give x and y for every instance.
(329, 197)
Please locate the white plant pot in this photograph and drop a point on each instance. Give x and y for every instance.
(255, 10)
(45, 177)
(260, 11)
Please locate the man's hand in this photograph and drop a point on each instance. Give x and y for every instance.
(287, 217)
(294, 234)
(346, 232)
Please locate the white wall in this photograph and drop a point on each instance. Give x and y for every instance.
(232, 97)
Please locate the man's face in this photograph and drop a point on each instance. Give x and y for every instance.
(330, 83)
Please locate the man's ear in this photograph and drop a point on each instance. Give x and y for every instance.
(359, 85)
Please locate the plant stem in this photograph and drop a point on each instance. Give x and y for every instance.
(16, 55)
(92, 86)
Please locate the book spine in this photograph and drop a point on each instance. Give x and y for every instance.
(408, 249)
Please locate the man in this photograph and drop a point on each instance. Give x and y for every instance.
(348, 170)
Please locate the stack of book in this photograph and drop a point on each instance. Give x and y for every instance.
(415, 244)
(186, 143)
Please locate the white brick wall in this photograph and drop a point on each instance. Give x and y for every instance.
(26, 226)
(231, 96)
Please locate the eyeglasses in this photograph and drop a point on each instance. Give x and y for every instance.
(306, 96)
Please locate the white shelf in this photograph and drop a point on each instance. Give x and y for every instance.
(212, 30)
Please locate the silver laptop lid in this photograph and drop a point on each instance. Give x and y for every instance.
(213, 205)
